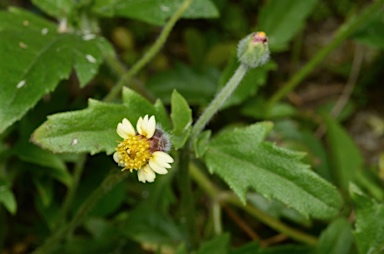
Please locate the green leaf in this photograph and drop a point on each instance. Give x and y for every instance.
(196, 86)
(336, 239)
(372, 32)
(31, 153)
(55, 8)
(346, 157)
(201, 143)
(35, 58)
(93, 129)
(282, 20)
(218, 245)
(250, 248)
(44, 186)
(153, 11)
(196, 45)
(146, 225)
(7, 198)
(244, 160)
(181, 116)
(369, 226)
(277, 209)
(256, 108)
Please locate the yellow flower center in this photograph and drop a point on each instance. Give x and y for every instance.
(134, 152)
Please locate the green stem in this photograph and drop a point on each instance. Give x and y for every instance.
(202, 180)
(344, 31)
(188, 214)
(149, 54)
(53, 241)
(270, 221)
(218, 101)
(79, 167)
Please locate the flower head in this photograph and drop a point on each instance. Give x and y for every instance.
(253, 50)
(144, 151)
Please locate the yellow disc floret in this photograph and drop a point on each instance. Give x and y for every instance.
(134, 152)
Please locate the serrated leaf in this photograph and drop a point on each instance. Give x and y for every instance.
(244, 160)
(218, 245)
(282, 20)
(181, 115)
(55, 8)
(196, 86)
(346, 157)
(93, 129)
(153, 11)
(35, 58)
(7, 198)
(369, 225)
(336, 239)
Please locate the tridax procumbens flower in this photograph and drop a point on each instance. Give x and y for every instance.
(145, 151)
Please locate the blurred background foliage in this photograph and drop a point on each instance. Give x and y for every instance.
(335, 115)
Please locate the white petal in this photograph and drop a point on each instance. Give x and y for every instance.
(146, 174)
(161, 156)
(125, 129)
(151, 127)
(146, 127)
(157, 168)
(116, 157)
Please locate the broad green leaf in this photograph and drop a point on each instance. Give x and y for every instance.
(35, 58)
(7, 199)
(347, 159)
(58, 9)
(93, 129)
(181, 116)
(153, 11)
(282, 20)
(218, 245)
(369, 226)
(196, 86)
(336, 239)
(244, 160)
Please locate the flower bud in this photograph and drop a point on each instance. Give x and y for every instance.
(253, 50)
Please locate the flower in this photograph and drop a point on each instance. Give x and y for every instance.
(144, 151)
(253, 50)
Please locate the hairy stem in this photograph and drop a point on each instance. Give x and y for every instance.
(149, 54)
(218, 101)
(344, 31)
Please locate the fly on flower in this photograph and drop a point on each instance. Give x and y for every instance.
(144, 151)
